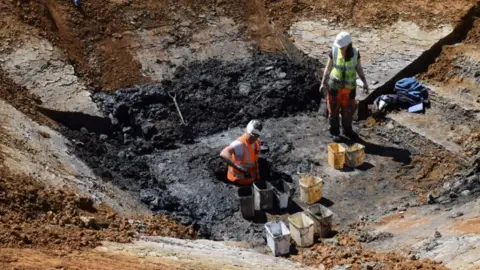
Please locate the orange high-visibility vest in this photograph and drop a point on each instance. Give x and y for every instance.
(249, 162)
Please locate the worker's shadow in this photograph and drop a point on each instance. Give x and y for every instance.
(397, 154)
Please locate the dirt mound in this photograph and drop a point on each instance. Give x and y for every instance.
(35, 259)
(440, 71)
(77, 31)
(457, 62)
(369, 12)
(32, 215)
(473, 36)
(454, 66)
(91, 35)
(269, 86)
(347, 251)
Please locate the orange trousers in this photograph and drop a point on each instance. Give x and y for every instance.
(340, 102)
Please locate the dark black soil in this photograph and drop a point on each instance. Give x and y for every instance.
(213, 96)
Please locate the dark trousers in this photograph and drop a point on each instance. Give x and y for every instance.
(340, 102)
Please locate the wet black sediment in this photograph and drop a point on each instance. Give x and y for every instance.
(213, 96)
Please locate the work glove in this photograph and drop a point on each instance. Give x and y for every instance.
(245, 171)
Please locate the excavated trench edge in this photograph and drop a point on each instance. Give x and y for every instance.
(75, 120)
(99, 125)
(419, 65)
(102, 125)
(78, 120)
(295, 54)
(422, 63)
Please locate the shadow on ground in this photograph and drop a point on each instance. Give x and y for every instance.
(397, 154)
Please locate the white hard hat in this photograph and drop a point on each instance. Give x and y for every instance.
(254, 127)
(342, 40)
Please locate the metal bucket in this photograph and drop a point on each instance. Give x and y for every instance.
(247, 208)
(322, 216)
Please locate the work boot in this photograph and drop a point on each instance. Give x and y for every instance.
(335, 138)
(334, 131)
(333, 126)
(335, 135)
(350, 134)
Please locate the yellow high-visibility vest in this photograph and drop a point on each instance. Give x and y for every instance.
(344, 73)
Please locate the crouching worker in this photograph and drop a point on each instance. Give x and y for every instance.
(242, 156)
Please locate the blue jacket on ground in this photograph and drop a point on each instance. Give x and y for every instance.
(413, 88)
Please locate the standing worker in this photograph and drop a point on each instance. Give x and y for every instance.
(342, 68)
(242, 156)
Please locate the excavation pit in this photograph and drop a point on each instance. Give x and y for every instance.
(146, 156)
(146, 153)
